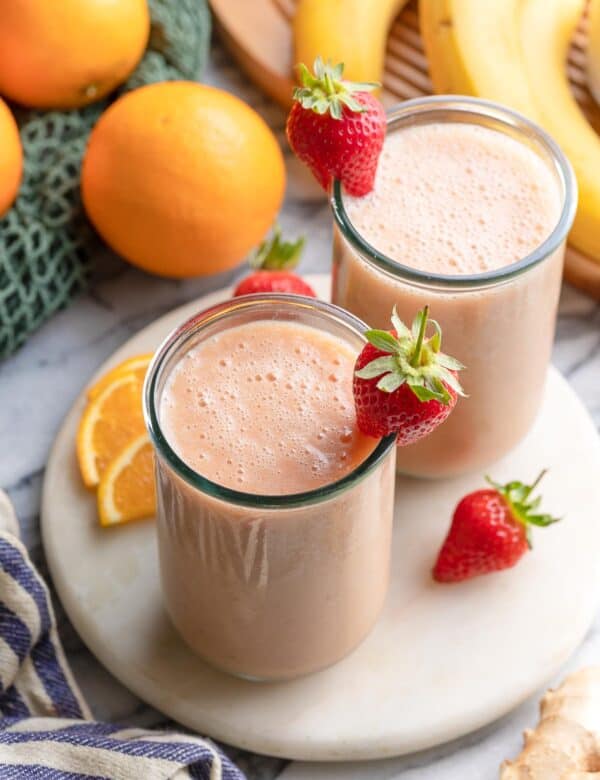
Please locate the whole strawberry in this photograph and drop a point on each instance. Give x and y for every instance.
(274, 258)
(403, 383)
(337, 128)
(490, 531)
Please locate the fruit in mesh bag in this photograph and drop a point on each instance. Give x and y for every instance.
(11, 158)
(182, 179)
(69, 53)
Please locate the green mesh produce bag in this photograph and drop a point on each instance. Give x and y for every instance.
(46, 245)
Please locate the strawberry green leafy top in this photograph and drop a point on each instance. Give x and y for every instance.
(523, 508)
(275, 254)
(326, 91)
(413, 359)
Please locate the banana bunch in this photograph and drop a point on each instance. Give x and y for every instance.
(350, 31)
(593, 50)
(515, 52)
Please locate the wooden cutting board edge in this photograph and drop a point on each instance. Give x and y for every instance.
(252, 46)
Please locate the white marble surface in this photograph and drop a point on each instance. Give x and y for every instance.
(39, 384)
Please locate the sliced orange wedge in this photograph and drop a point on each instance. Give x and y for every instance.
(111, 420)
(137, 365)
(126, 491)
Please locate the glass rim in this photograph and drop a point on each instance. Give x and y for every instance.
(501, 115)
(197, 323)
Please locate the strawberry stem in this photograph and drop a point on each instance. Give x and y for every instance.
(329, 85)
(416, 358)
(538, 479)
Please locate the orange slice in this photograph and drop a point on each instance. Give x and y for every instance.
(126, 491)
(137, 365)
(110, 421)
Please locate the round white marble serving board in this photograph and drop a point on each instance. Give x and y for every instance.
(443, 659)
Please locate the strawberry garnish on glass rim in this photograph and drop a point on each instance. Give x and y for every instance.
(336, 127)
(274, 260)
(403, 382)
(490, 531)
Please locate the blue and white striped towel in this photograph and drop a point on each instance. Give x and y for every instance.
(46, 730)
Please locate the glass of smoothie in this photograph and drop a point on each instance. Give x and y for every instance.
(470, 211)
(274, 511)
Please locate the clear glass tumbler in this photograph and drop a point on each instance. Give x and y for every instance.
(499, 323)
(269, 586)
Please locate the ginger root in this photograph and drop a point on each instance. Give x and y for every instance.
(565, 745)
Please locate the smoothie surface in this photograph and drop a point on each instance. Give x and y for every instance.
(453, 198)
(266, 408)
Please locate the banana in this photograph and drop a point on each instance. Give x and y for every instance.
(547, 27)
(447, 66)
(510, 51)
(350, 31)
(515, 52)
(473, 48)
(593, 50)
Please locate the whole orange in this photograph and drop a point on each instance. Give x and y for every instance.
(11, 158)
(182, 179)
(67, 53)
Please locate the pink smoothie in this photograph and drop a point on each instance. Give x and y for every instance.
(266, 408)
(460, 199)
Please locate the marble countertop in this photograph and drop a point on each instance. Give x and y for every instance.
(39, 384)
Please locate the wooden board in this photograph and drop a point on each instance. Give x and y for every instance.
(258, 33)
